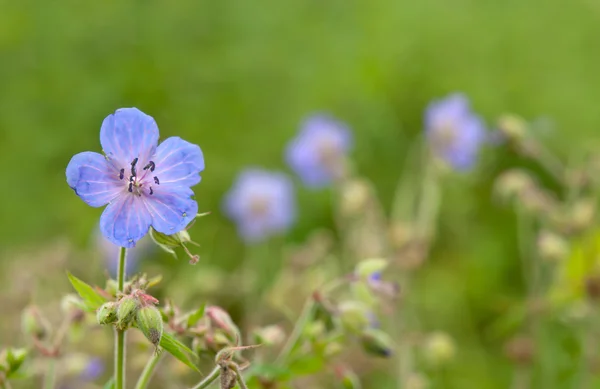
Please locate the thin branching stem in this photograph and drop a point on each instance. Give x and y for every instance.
(120, 334)
(146, 375)
(209, 379)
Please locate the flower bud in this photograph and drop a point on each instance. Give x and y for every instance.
(33, 323)
(272, 335)
(551, 246)
(221, 319)
(377, 342)
(111, 287)
(439, 348)
(128, 307)
(512, 127)
(149, 321)
(366, 268)
(355, 195)
(512, 183)
(107, 313)
(582, 214)
(347, 378)
(354, 316)
(15, 358)
(416, 381)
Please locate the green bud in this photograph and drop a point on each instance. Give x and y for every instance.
(111, 287)
(218, 317)
(439, 348)
(377, 342)
(107, 313)
(15, 358)
(513, 127)
(34, 324)
(128, 307)
(347, 378)
(354, 316)
(149, 321)
(366, 268)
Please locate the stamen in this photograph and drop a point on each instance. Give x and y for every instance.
(121, 174)
(156, 181)
(151, 191)
(131, 178)
(133, 173)
(130, 187)
(150, 166)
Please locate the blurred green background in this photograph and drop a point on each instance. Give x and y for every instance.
(237, 77)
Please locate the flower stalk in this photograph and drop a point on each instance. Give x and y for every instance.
(146, 375)
(205, 383)
(120, 334)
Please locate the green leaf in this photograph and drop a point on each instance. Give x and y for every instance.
(93, 300)
(110, 384)
(177, 349)
(194, 317)
(306, 365)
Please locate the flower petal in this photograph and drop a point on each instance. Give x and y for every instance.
(93, 179)
(127, 134)
(125, 221)
(171, 210)
(178, 162)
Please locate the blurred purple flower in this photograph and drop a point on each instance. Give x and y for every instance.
(143, 183)
(317, 153)
(93, 370)
(262, 203)
(454, 132)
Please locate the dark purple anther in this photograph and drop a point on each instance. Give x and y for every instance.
(156, 181)
(150, 166)
(121, 174)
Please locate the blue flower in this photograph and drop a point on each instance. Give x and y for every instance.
(262, 203)
(93, 370)
(317, 153)
(143, 183)
(454, 132)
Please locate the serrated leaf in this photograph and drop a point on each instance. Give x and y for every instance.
(177, 349)
(110, 384)
(195, 316)
(93, 300)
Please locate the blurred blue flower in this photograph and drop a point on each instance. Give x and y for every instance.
(261, 203)
(93, 370)
(317, 153)
(454, 132)
(143, 184)
(110, 253)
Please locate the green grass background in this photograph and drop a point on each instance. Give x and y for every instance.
(236, 77)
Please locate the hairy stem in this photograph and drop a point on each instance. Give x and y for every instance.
(120, 334)
(146, 375)
(209, 379)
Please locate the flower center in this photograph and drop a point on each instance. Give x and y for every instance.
(259, 205)
(444, 136)
(139, 183)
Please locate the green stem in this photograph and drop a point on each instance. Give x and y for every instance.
(209, 379)
(50, 379)
(120, 334)
(239, 377)
(144, 379)
(305, 316)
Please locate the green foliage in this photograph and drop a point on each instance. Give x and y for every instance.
(178, 350)
(92, 299)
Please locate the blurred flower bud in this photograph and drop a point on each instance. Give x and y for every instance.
(347, 378)
(512, 183)
(520, 350)
(272, 335)
(34, 324)
(377, 342)
(219, 318)
(333, 349)
(512, 127)
(126, 311)
(354, 316)
(354, 197)
(13, 359)
(551, 246)
(416, 381)
(149, 321)
(369, 267)
(111, 287)
(73, 306)
(582, 214)
(439, 348)
(315, 330)
(107, 313)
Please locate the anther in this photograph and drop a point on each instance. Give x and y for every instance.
(150, 166)
(151, 191)
(130, 187)
(131, 178)
(121, 174)
(133, 163)
(156, 181)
